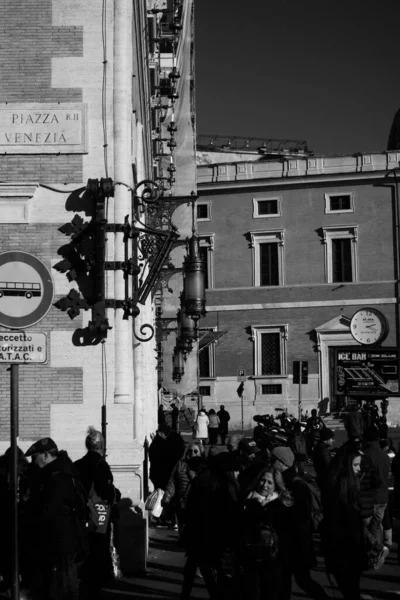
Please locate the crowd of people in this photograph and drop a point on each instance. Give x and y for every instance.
(249, 518)
(64, 542)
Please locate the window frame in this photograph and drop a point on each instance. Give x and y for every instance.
(329, 211)
(336, 232)
(267, 237)
(256, 332)
(204, 203)
(206, 240)
(256, 214)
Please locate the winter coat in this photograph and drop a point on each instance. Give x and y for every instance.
(179, 482)
(94, 470)
(322, 459)
(369, 483)
(58, 506)
(354, 424)
(224, 418)
(201, 426)
(273, 513)
(213, 519)
(163, 456)
(381, 462)
(213, 422)
(342, 535)
(301, 551)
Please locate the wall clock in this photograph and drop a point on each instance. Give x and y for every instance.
(368, 326)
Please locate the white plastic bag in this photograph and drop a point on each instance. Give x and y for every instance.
(157, 508)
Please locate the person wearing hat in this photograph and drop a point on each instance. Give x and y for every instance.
(322, 456)
(251, 462)
(301, 556)
(60, 517)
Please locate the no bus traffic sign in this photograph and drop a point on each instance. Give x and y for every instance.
(26, 290)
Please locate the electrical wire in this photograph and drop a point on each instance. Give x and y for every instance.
(48, 187)
(104, 372)
(104, 86)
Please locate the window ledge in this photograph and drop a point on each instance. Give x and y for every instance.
(286, 376)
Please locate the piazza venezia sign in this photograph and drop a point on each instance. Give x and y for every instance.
(33, 128)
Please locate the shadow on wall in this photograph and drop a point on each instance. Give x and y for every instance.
(323, 406)
(131, 535)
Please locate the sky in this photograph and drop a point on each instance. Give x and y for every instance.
(324, 71)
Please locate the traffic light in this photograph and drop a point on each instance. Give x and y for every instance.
(296, 371)
(304, 371)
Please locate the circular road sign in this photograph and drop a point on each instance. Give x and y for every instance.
(26, 290)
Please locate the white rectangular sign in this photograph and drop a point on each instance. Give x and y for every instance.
(43, 128)
(23, 347)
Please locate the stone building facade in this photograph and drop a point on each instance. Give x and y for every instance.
(294, 247)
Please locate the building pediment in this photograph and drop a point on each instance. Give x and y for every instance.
(339, 324)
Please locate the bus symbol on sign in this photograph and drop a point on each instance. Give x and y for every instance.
(18, 288)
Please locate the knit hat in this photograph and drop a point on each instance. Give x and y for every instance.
(41, 446)
(326, 434)
(284, 454)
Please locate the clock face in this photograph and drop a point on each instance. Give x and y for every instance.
(368, 326)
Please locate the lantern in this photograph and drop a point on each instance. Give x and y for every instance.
(194, 289)
(178, 364)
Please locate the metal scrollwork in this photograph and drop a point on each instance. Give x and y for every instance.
(142, 331)
(151, 191)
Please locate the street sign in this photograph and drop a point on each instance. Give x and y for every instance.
(21, 347)
(241, 375)
(26, 290)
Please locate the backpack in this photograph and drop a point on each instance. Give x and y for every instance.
(316, 502)
(261, 543)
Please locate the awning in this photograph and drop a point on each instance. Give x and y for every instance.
(209, 337)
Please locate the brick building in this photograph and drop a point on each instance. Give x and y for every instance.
(89, 91)
(294, 247)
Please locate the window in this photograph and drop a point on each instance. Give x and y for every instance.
(270, 350)
(340, 254)
(268, 257)
(266, 207)
(206, 254)
(271, 389)
(206, 353)
(203, 211)
(339, 203)
(205, 390)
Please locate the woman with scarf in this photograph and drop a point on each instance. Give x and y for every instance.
(266, 534)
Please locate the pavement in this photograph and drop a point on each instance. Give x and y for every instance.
(163, 578)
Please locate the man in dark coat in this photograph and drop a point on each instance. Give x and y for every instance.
(60, 519)
(174, 417)
(322, 456)
(165, 450)
(302, 555)
(313, 430)
(224, 418)
(354, 423)
(95, 471)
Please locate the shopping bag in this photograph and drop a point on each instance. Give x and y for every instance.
(99, 512)
(157, 508)
(151, 500)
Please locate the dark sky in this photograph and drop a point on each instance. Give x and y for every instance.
(325, 71)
